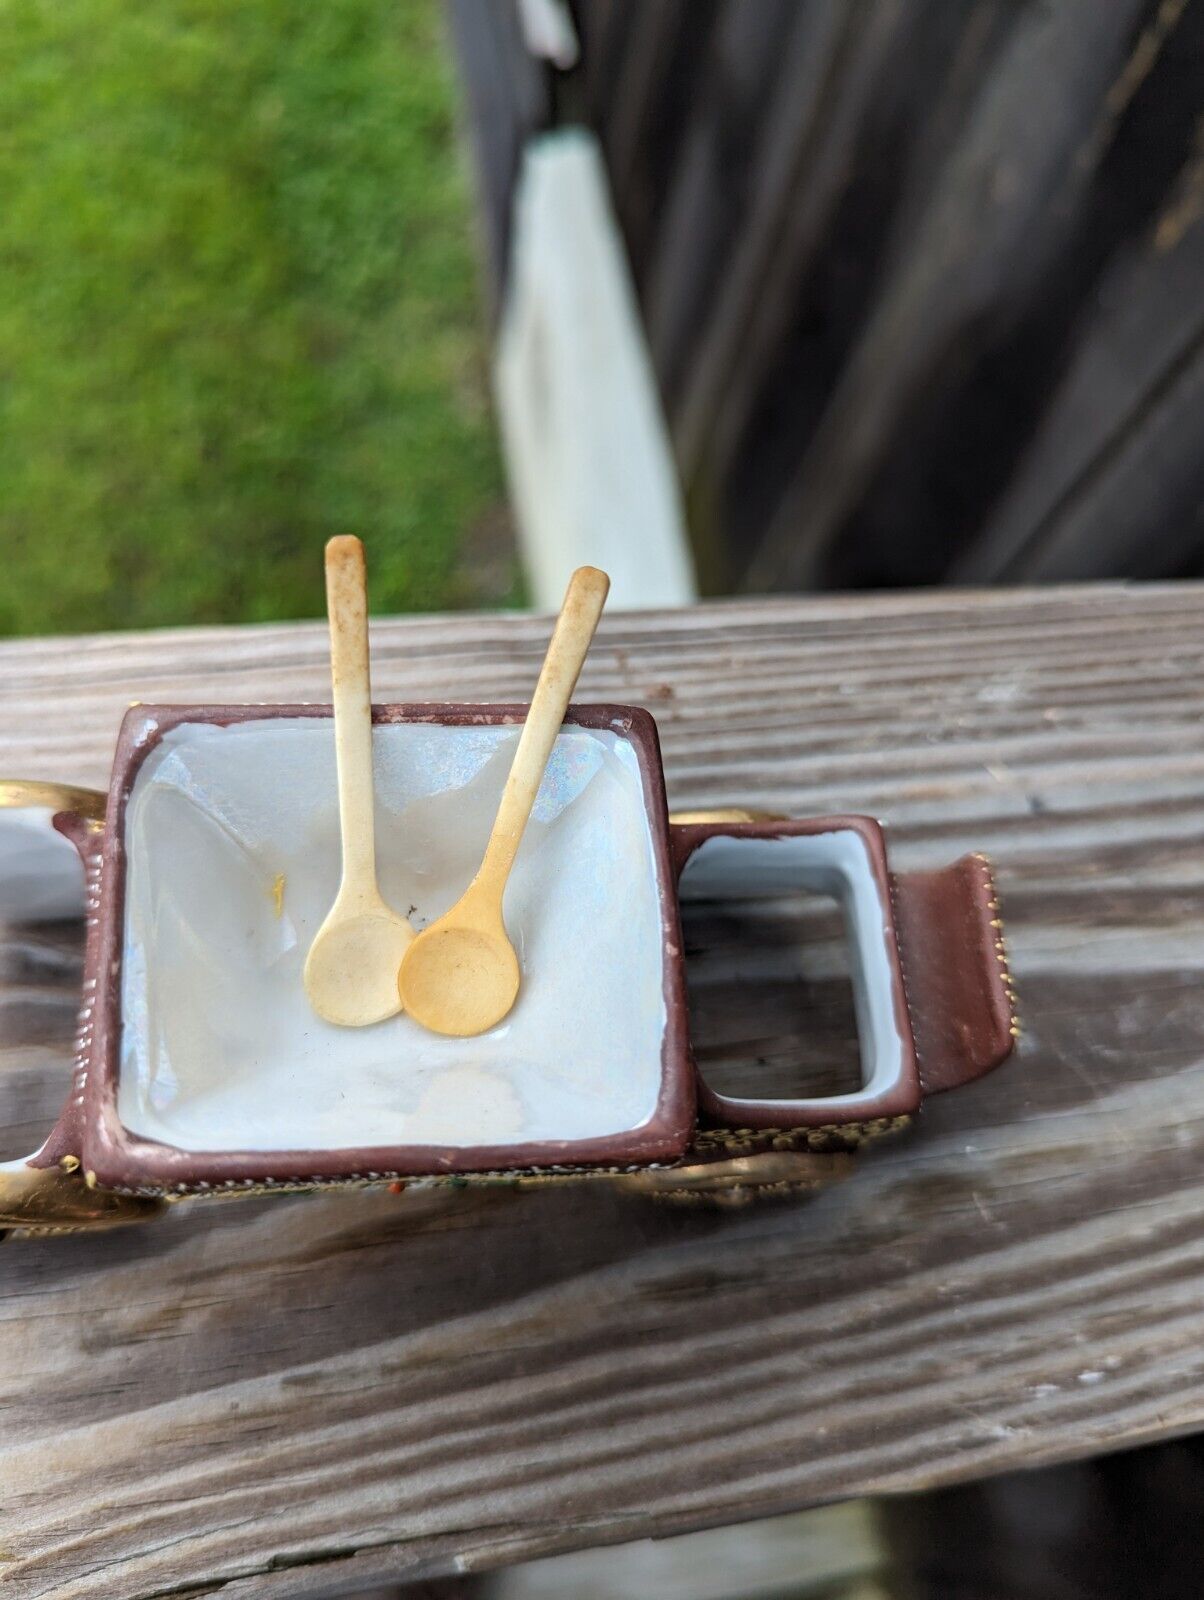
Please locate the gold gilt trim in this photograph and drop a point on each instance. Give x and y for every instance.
(741, 1180)
(688, 819)
(41, 1200)
(820, 1138)
(1001, 953)
(20, 792)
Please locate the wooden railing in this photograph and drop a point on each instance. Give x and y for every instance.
(310, 1395)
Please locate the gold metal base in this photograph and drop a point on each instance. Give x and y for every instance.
(40, 1200)
(21, 792)
(741, 1180)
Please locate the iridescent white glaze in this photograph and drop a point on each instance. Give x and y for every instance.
(219, 1047)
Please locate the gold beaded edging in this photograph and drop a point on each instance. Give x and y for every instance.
(1001, 954)
(833, 1136)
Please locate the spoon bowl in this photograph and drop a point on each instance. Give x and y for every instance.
(461, 975)
(351, 969)
(461, 979)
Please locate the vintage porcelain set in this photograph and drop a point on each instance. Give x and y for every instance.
(214, 857)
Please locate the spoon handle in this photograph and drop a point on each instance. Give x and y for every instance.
(347, 608)
(579, 614)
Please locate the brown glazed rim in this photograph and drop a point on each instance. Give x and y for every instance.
(122, 1160)
(904, 1096)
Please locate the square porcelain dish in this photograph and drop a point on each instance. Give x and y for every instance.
(220, 861)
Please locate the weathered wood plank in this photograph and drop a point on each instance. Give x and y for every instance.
(1153, 478)
(1134, 348)
(884, 252)
(710, 188)
(507, 98)
(306, 1396)
(832, 56)
(1000, 216)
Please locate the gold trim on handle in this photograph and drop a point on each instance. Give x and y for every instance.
(18, 792)
(686, 819)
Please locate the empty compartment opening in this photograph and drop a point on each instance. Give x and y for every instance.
(790, 988)
(772, 1015)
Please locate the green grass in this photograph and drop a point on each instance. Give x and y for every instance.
(237, 312)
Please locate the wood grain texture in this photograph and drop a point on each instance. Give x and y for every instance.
(306, 1396)
(1130, 358)
(1006, 201)
(920, 281)
(507, 99)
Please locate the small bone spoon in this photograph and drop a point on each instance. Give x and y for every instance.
(461, 975)
(351, 969)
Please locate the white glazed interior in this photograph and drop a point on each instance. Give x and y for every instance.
(219, 1047)
(835, 864)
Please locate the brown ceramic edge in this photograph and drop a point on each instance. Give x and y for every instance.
(904, 1098)
(122, 1160)
(64, 1140)
(984, 1041)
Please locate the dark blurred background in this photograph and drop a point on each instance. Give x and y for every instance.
(921, 281)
